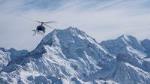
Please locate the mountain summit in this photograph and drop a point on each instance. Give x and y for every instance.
(70, 56)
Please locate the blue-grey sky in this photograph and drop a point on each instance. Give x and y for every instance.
(102, 19)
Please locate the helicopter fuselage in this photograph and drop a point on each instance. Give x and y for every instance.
(40, 28)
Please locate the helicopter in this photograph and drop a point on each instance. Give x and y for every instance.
(42, 27)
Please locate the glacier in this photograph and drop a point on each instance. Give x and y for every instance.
(70, 56)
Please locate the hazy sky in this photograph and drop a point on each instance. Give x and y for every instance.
(102, 19)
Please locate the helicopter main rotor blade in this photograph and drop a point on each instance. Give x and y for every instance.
(50, 22)
(47, 25)
(46, 22)
(39, 21)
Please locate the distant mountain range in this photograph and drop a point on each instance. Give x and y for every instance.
(70, 56)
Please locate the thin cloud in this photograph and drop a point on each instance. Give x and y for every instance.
(100, 18)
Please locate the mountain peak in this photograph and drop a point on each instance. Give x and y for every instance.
(68, 39)
(127, 38)
(70, 31)
(69, 34)
(131, 41)
(122, 44)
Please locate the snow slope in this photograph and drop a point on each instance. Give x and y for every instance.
(70, 56)
(4, 59)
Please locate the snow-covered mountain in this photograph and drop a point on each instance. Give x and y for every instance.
(70, 56)
(146, 45)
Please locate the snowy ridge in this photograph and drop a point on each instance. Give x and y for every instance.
(70, 56)
(4, 59)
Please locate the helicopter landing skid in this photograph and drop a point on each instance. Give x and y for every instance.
(37, 32)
